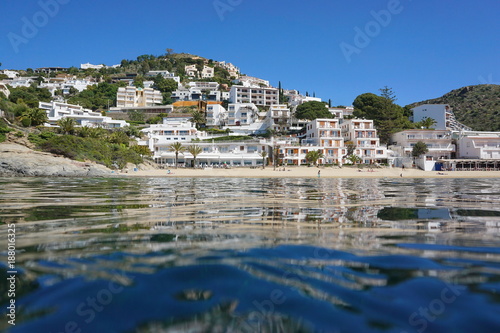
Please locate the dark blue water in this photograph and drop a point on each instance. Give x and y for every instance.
(253, 255)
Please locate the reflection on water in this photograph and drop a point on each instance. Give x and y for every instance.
(246, 255)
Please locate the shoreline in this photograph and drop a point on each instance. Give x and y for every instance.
(308, 172)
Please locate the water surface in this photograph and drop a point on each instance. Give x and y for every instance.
(247, 255)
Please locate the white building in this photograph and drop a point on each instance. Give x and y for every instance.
(165, 74)
(10, 74)
(279, 116)
(441, 113)
(90, 66)
(232, 69)
(257, 95)
(65, 83)
(340, 113)
(128, 97)
(20, 81)
(206, 73)
(83, 117)
(439, 143)
(216, 115)
(250, 81)
(241, 114)
(363, 135)
(161, 137)
(478, 145)
(4, 89)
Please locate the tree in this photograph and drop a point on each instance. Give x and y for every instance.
(351, 146)
(197, 118)
(419, 148)
(67, 125)
(194, 150)
(164, 85)
(263, 154)
(388, 93)
(427, 123)
(119, 137)
(141, 150)
(177, 148)
(34, 117)
(313, 156)
(387, 117)
(312, 110)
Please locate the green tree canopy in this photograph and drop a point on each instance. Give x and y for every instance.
(313, 156)
(419, 148)
(387, 117)
(313, 110)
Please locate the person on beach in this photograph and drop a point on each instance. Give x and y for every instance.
(319, 173)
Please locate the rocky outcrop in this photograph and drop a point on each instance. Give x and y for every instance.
(19, 161)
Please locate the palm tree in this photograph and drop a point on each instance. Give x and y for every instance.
(428, 123)
(263, 154)
(67, 125)
(36, 116)
(197, 118)
(177, 148)
(194, 150)
(313, 156)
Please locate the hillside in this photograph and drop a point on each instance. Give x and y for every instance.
(475, 106)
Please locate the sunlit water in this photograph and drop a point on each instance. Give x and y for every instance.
(253, 255)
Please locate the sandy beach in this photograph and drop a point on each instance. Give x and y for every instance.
(310, 172)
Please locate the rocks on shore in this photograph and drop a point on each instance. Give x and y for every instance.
(19, 161)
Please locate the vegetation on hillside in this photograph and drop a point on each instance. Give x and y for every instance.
(313, 110)
(475, 106)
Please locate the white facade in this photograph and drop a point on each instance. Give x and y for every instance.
(364, 136)
(161, 137)
(10, 74)
(232, 69)
(241, 114)
(479, 145)
(250, 81)
(216, 115)
(130, 96)
(439, 143)
(83, 117)
(20, 82)
(256, 95)
(166, 74)
(90, 66)
(279, 116)
(4, 89)
(65, 83)
(441, 113)
(206, 73)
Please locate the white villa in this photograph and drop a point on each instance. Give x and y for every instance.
(4, 89)
(439, 143)
(83, 117)
(166, 74)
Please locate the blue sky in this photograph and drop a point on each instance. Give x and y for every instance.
(336, 49)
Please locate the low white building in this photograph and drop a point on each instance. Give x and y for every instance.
(10, 74)
(439, 143)
(250, 81)
(83, 117)
(160, 138)
(20, 81)
(478, 145)
(241, 114)
(165, 74)
(279, 116)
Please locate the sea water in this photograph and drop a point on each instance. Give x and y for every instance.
(251, 255)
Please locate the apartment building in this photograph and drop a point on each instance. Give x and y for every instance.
(363, 135)
(206, 73)
(279, 116)
(130, 96)
(441, 113)
(260, 96)
(250, 81)
(216, 115)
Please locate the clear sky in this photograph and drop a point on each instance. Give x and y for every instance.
(337, 49)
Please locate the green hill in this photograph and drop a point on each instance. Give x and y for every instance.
(475, 106)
